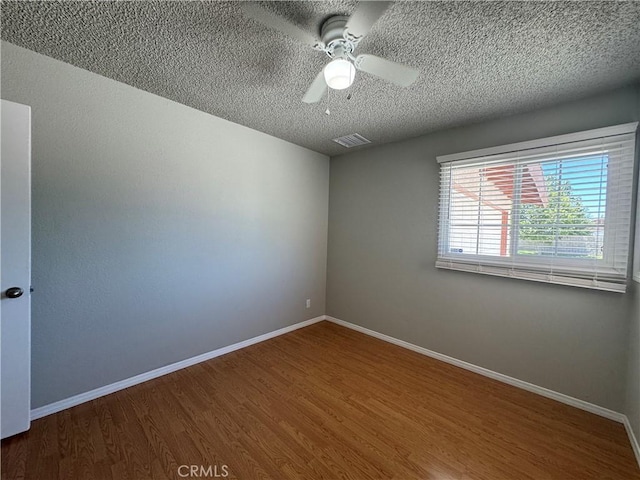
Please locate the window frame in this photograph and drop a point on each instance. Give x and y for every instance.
(636, 244)
(485, 263)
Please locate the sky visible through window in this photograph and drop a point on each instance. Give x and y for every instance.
(592, 191)
(577, 191)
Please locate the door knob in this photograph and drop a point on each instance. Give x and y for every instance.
(14, 292)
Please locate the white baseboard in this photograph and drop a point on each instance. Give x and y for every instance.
(158, 372)
(632, 438)
(143, 377)
(545, 392)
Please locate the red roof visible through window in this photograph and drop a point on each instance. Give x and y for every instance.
(533, 188)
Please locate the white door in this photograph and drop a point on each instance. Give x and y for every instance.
(15, 268)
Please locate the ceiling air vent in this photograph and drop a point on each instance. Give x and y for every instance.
(352, 140)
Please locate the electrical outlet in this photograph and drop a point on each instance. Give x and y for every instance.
(308, 303)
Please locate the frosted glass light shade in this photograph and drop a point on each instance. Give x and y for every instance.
(339, 74)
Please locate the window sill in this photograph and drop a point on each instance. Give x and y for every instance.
(555, 278)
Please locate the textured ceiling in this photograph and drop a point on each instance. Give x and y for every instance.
(477, 59)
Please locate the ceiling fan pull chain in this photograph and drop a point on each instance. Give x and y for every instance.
(327, 111)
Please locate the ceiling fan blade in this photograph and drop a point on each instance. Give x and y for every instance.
(317, 89)
(365, 15)
(387, 70)
(276, 22)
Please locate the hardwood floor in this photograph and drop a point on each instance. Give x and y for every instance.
(321, 402)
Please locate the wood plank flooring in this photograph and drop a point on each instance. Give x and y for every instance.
(321, 402)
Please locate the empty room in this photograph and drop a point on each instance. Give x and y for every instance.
(320, 240)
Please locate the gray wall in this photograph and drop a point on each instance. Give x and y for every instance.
(382, 250)
(632, 404)
(632, 407)
(159, 232)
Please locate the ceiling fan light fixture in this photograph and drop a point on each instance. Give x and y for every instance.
(339, 74)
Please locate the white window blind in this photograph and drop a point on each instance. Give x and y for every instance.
(553, 210)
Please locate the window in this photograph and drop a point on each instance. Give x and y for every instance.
(553, 210)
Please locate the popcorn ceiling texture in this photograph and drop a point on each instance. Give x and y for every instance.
(478, 60)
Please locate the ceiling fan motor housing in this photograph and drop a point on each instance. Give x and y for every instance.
(333, 37)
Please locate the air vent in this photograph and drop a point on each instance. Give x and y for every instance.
(352, 140)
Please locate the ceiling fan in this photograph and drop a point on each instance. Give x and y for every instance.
(339, 37)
